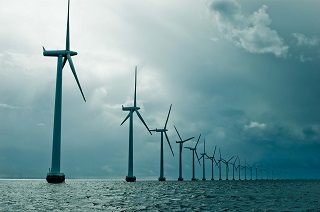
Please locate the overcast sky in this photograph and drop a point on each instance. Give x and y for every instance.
(244, 74)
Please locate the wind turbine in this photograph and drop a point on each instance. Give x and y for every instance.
(164, 130)
(227, 166)
(194, 150)
(219, 161)
(180, 155)
(203, 158)
(239, 168)
(132, 109)
(212, 160)
(257, 171)
(54, 175)
(233, 167)
(245, 169)
(250, 168)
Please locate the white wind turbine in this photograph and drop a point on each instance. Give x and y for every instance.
(164, 130)
(132, 109)
(180, 155)
(54, 175)
(194, 150)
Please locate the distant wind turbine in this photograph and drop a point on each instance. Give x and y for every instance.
(194, 150)
(164, 130)
(219, 162)
(180, 153)
(132, 109)
(213, 160)
(257, 171)
(203, 158)
(54, 175)
(239, 168)
(233, 167)
(250, 168)
(245, 169)
(227, 166)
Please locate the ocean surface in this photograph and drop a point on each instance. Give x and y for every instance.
(148, 195)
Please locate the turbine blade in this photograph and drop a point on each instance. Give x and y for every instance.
(43, 49)
(75, 74)
(214, 150)
(220, 153)
(204, 145)
(125, 118)
(165, 133)
(135, 88)
(235, 160)
(200, 157)
(215, 161)
(188, 139)
(197, 157)
(178, 133)
(140, 117)
(230, 159)
(198, 141)
(64, 61)
(167, 118)
(68, 33)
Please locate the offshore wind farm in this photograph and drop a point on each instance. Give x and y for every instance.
(241, 80)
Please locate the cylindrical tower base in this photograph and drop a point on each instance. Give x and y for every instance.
(55, 178)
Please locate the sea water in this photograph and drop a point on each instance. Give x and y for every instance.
(148, 195)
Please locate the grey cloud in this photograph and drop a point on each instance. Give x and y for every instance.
(6, 106)
(303, 40)
(251, 33)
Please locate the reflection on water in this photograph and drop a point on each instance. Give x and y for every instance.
(84, 195)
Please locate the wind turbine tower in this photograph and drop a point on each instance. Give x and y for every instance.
(180, 153)
(257, 171)
(212, 162)
(245, 169)
(132, 109)
(239, 168)
(203, 158)
(219, 162)
(54, 175)
(194, 150)
(227, 166)
(233, 167)
(250, 168)
(163, 131)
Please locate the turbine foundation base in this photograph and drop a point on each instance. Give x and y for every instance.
(194, 179)
(55, 178)
(131, 179)
(162, 179)
(212, 179)
(204, 179)
(180, 179)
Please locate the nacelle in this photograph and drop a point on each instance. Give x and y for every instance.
(57, 53)
(130, 108)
